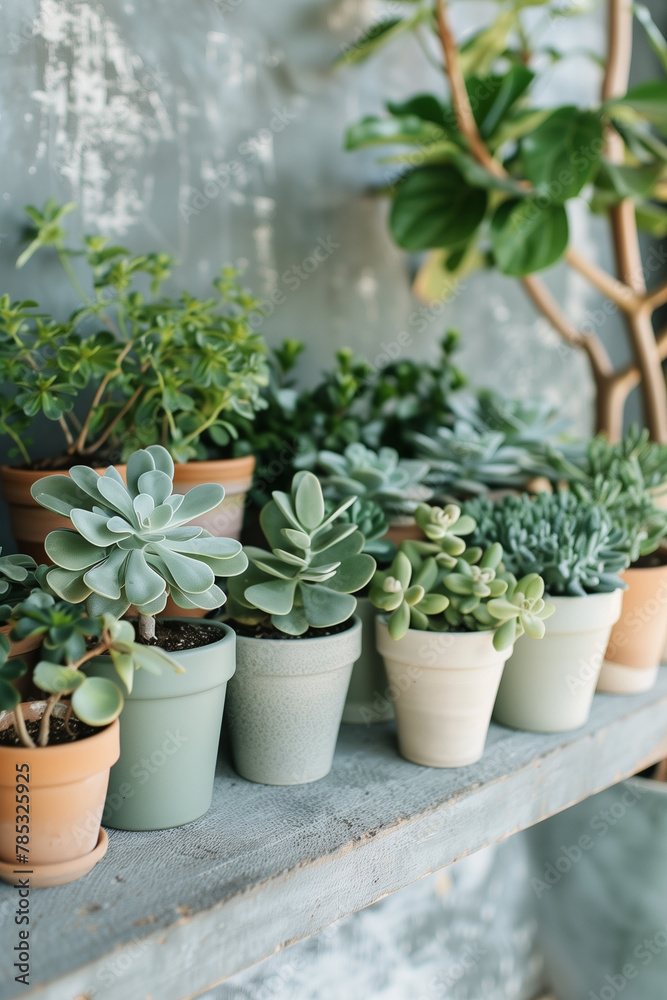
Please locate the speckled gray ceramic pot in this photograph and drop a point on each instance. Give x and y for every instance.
(169, 735)
(367, 699)
(285, 704)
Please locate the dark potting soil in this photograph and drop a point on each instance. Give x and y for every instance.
(57, 732)
(268, 631)
(652, 561)
(174, 636)
(61, 463)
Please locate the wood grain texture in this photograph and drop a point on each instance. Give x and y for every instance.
(166, 915)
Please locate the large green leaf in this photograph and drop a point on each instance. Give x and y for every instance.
(615, 181)
(527, 237)
(560, 156)
(426, 107)
(68, 584)
(655, 36)
(273, 596)
(491, 97)
(381, 32)
(652, 219)
(648, 100)
(353, 574)
(199, 500)
(70, 550)
(324, 607)
(309, 502)
(57, 679)
(142, 583)
(435, 207)
(9, 696)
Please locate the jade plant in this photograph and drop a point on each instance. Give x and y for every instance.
(442, 585)
(572, 544)
(127, 369)
(396, 484)
(315, 564)
(70, 639)
(625, 478)
(133, 544)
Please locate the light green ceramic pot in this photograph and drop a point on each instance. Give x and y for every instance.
(368, 698)
(169, 734)
(286, 703)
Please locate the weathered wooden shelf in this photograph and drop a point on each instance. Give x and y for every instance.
(167, 915)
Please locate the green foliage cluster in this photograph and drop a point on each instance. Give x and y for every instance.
(514, 219)
(396, 484)
(314, 566)
(442, 585)
(572, 544)
(128, 368)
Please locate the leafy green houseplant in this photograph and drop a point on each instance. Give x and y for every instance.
(452, 614)
(484, 172)
(579, 552)
(133, 546)
(129, 368)
(297, 638)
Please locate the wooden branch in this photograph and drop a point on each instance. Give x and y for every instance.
(462, 108)
(79, 444)
(656, 297)
(619, 49)
(619, 293)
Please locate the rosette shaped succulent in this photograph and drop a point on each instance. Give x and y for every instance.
(315, 565)
(395, 483)
(133, 544)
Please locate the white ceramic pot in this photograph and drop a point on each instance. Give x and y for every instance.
(548, 686)
(443, 685)
(285, 704)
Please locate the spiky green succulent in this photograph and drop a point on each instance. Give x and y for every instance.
(464, 462)
(424, 591)
(572, 544)
(396, 484)
(315, 565)
(624, 477)
(133, 544)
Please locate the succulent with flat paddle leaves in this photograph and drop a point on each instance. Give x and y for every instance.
(133, 544)
(573, 545)
(464, 461)
(428, 589)
(70, 638)
(396, 484)
(315, 565)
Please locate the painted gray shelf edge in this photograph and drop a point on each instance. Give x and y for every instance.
(166, 916)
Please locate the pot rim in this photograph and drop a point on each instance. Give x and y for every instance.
(108, 733)
(384, 621)
(14, 471)
(354, 627)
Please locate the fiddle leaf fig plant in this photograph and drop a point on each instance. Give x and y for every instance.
(428, 589)
(396, 484)
(70, 639)
(571, 543)
(315, 564)
(133, 544)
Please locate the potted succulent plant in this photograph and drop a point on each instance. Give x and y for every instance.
(135, 546)
(297, 636)
(578, 551)
(55, 755)
(125, 371)
(395, 484)
(453, 614)
(613, 475)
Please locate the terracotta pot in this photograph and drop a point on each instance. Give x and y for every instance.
(68, 784)
(404, 530)
(30, 522)
(637, 640)
(235, 476)
(28, 651)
